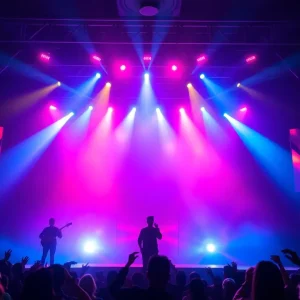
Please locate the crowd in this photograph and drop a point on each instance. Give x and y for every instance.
(268, 280)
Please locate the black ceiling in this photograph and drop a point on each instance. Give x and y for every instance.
(190, 9)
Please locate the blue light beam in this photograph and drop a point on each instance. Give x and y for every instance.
(16, 162)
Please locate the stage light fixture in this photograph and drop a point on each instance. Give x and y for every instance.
(110, 110)
(45, 57)
(244, 109)
(90, 246)
(189, 85)
(225, 115)
(203, 109)
(58, 83)
(98, 75)
(122, 67)
(108, 84)
(181, 110)
(96, 58)
(238, 84)
(71, 114)
(210, 248)
(52, 107)
(90, 107)
(202, 76)
(147, 58)
(174, 68)
(201, 58)
(250, 59)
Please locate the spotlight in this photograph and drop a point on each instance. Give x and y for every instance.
(98, 75)
(90, 246)
(250, 59)
(110, 110)
(58, 83)
(157, 110)
(181, 110)
(225, 115)
(123, 68)
(45, 57)
(210, 248)
(51, 107)
(244, 109)
(203, 109)
(71, 114)
(202, 76)
(133, 109)
(174, 68)
(238, 85)
(147, 58)
(189, 85)
(201, 58)
(90, 107)
(96, 58)
(146, 76)
(108, 84)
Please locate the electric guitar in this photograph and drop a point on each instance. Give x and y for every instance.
(46, 240)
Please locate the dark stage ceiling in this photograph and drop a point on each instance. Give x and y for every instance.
(183, 9)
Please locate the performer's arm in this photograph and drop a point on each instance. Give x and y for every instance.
(41, 234)
(59, 234)
(140, 239)
(158, 233)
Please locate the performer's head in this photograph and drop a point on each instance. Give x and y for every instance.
(150, 221)
(158, 271)
(51, 222)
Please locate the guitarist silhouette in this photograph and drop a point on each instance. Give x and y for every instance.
(48, 240)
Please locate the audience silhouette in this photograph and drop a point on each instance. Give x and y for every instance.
(268, 280)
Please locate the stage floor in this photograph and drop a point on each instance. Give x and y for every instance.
(97, 267)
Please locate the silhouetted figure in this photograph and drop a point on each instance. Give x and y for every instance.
(48, 240)
(158, 276)
(197, 290)
(267, 282)
(148, 241)
(229, 289)
(244, 292)
(88, 284)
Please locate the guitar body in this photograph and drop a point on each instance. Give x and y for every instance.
(48, 240)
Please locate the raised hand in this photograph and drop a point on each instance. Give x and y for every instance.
(68, 264)
(7, 254)
(131, 259)
(85, 267)
(292, 256)
(209, 272)
(24, 260)
(276, 259)
(234, 266)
